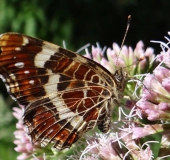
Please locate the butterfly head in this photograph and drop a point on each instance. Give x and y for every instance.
(120, 78)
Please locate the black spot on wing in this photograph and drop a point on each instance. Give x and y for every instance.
(67, 52)
(62, 86)
(44, 79)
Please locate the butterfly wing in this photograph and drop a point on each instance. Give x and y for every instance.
(64, 94)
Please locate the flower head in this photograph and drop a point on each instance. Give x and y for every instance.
(134, 61)
(154, 104)
(155, 101)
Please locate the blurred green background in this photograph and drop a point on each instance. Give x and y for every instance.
(77, 22)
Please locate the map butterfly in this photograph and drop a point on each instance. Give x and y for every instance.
(64, 93)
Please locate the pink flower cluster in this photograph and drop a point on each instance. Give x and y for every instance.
(155, 101)
(115, 147)
(134, 61)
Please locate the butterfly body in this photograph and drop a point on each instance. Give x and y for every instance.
(64, 94)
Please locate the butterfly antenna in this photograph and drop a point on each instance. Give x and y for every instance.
(127, 28)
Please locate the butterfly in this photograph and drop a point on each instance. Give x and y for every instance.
(64, 94)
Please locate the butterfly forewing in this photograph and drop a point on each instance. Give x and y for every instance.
(64, 94)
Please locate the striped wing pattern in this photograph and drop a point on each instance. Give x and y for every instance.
(64, 94)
